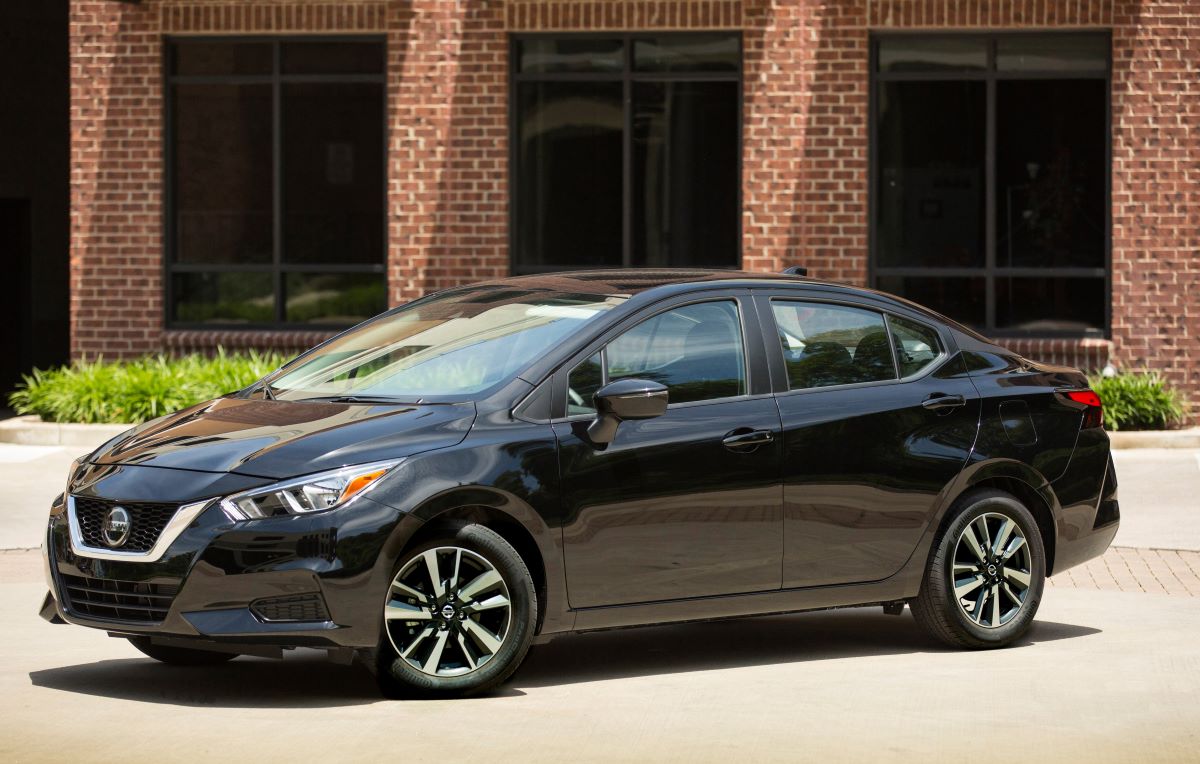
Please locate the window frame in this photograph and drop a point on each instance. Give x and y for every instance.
(627, 77)
(278, 268)
(782, 385)
(990, 76)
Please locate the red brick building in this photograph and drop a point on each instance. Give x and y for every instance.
(258, 172)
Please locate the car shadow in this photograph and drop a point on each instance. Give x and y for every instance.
(740, 643)
(306, 679)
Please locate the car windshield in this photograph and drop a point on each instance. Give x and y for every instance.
(454, 344)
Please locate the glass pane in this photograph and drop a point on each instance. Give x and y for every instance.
(222, 298)
(696, 351)
(685, 183)
(1050, 305)
(222, 173)
(930, 198)
(195, 57)
(932, 54)
(1057, 53)
(963, 299)
(582, 384)
(916, 345)
(333, 187)
(825, 345)
(332, 57)
(1051, 172)
(334, 298)
(687, 53)
(569, 54)
(569, 174)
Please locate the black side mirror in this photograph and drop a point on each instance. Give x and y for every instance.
(625, 399)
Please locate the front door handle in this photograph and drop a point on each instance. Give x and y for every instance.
(747, 440)
(939, 402)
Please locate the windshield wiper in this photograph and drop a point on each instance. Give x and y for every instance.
(358, 399)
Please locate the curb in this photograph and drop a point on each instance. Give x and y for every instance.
(1189, 438)
(32, 431)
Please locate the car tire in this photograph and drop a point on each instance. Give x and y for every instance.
(971, 596)
(462, 641)
(180, 656)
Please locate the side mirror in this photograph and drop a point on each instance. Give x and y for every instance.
(625, 399)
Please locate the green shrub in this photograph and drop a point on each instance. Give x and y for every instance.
(137, 390)
(1138, 402)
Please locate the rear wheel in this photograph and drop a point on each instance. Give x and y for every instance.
(459, 616)
(985, 576)
(180, 656)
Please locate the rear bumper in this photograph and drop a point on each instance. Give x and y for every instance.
(1090, 513)
(316, 581)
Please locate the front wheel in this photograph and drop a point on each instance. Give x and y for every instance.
(459, 616)
(984, 579)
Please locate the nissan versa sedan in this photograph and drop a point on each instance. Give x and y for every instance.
(435, 489)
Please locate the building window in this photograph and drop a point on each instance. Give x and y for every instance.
(275, 188)
(626, 151)
(990, 178)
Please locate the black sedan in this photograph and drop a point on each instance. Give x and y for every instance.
(437, 488)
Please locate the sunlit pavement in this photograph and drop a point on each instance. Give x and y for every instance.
(1104, 675)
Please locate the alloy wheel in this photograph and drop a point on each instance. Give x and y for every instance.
(448, 611)
(992, 570)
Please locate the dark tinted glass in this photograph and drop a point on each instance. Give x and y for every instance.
(687, 53)
(221, 151)
(333, 169)
(685, 183)
(222, 298)
(1051, 173)
(334, 298)
(916, 345)
(930, 157)
(1050, 305)
(1056, 53)
(826, 345)
(569, 173)
(696, 351)
(332, 57)
(932, 54)
(569, 54)
(196, 57)
(963, 299)
(585, 379)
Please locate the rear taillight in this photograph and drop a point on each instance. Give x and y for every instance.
(1093, 415)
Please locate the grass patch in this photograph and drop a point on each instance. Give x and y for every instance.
(1138, 401)
(134, 391)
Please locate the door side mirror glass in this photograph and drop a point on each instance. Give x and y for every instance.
(625, 399)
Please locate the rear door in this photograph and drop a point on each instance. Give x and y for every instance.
(879, 416)
(687, 504)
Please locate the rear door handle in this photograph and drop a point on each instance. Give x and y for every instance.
(747, 440)
(938, 401)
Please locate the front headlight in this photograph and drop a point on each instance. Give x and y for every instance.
(312, 493)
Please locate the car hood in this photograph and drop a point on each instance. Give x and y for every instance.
(281, 439)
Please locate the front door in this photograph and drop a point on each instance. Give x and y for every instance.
(879, 416)
(688, 504)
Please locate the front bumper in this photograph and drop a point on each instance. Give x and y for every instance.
(312, 581)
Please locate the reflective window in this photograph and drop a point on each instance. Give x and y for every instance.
(826, 345)
(626, 151)
(275, 221)
(696, 351)
(582, 384)
(990, 165)
(916, 345)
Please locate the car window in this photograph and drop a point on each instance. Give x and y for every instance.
(916, 345)
(826, 345)
(582, 384)
(695, 350)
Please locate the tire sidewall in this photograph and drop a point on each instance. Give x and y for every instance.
(942, 573)
(398, 678)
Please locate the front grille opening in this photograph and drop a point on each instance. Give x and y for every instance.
(297, 607)
(146, 522)
(112, 600)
